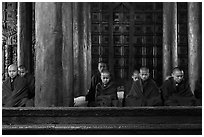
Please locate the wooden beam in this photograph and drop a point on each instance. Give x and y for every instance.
(194, 42)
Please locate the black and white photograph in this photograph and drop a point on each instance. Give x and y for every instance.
(101, 68)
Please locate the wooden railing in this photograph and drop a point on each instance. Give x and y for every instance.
(126, 120)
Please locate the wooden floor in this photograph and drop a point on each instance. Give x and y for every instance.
(106, 121)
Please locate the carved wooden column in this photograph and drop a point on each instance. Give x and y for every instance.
(67, 54)
(25, 35)
(170, 55)
(54, 57)
(194, 42)
(81, 46)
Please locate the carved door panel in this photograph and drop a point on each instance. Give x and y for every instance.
(9, 36)
(127, 36)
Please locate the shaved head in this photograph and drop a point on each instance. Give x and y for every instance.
(144, 73)
(22, 70)
(177, 74)
(102, 66)
(12, 71)
(177, 69)
(13, 66)
(145, 69)
(135, 75)
(105, 76)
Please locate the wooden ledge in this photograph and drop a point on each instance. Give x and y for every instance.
(99, 111)
(103, 127)
(126, 120)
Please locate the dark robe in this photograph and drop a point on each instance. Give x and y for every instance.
(106, 95)
(90, 97)
(127, 87)
(31, 89)
(179, 95)
(17, 95)
(198, 91)
(143, 94)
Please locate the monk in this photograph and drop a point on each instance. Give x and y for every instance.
(23, 72)
(176, 90)
(144, 91)
(128, 84)
(106, 91)
(14, 89)
(96, 78)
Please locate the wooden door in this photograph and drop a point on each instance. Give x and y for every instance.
(127, 36)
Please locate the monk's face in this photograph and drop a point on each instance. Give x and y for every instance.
(101, 67)
(12, 71)
(21, 72)
(144, 74)
(178, 76)
(135, 76)
(105, 78)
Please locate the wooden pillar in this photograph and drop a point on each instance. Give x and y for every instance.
(194, 42)
(67, 54)
(174, 35)
(81, 46)
(54, 69)
(25, 35)
(3, 62)
(170, 55)
(87, 32)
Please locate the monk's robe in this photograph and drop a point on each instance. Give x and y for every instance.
(143, 94)
(15, 94)
(177, 94)
(31, 89)
(127, 87)
(198, 91)
(106, 95)
(90, 97)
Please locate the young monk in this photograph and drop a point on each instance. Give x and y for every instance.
(14, 89)
(96, 78)
(135, 76)
(106, 91)
(176, 90)
(144, 91)
(23, 72)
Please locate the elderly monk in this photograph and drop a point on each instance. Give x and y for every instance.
(176, 90)
(14, 89)
(144, 91)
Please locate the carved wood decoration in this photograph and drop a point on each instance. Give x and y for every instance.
(127, 36)
(9, 36)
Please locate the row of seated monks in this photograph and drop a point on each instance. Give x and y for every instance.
(18, 90)
(142, 90)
